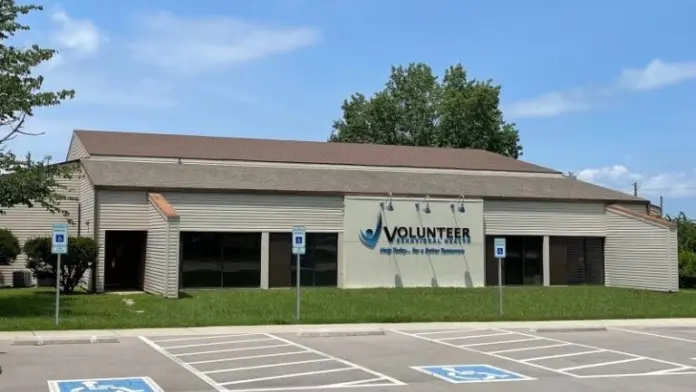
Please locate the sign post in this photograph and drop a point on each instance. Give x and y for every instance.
(298, 249)
(59, 247)
(500, 254)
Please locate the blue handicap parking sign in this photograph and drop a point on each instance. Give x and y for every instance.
(130, 384)
(458, 374)
(60, 238)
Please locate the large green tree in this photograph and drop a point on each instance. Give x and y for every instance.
(416, 108)
(686, 238)
(25, 181)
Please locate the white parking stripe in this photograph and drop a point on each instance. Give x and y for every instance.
(677, 369)
(216, 343)
(513, 350)
(248, 380)
(343, 361)
(186, 366)
(446, 331)
(657, 335)
(501, 342)
(558, 343)
(560, 355)
(353, 383)
(312, 388)
(248, 357)
(610, 351)
(476, 336)
(201, 337)
(485, 353)
(230, 350)
(229, 376)
(602, 364)
(266, 366)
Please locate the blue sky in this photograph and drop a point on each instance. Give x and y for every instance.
(604, 90)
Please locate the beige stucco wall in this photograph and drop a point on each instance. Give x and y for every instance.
(403, 264)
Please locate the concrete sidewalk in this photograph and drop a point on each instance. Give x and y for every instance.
(353, 328)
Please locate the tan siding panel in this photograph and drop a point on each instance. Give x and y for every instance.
(245, 212)
(156, 253)
(639, 255)
(173, 259)
(640, 208)
(544, 218)
(28, 223)
(86, 208)
(77, 149)
(119, 210)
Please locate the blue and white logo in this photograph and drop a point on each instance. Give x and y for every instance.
(130, 384)
(459, 374)
(370, 237)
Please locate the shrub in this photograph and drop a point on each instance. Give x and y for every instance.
(9, 247)
(81, 256)
(687, 269)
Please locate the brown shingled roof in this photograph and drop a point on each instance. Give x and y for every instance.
(288, 151)
(153, 176)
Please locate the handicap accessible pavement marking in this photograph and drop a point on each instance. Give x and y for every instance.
(460, 374)
(469, 337)
(125, 384)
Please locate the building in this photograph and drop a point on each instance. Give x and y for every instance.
(172, 211)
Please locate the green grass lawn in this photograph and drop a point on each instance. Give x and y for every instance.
(31, 309)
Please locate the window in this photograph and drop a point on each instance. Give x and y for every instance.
(220, 260)
(318, 266)
(523, 264)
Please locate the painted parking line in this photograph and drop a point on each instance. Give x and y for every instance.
(586, 361)
(657, 335)
(260, 362)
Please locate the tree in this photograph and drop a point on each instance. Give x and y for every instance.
(9, 247)
(416, 109)
(24, 181)
(686, 239)
(81, 257)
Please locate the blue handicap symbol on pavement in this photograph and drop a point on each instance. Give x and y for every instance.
(471, 373)
(132, 384)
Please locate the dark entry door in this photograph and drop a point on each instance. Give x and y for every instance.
(124, 259)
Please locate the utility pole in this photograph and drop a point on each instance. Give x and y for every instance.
(662, 202)
(635, 189)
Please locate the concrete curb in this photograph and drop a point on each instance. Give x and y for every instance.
(679, 323)
(570, 329)
(49, 341)
(340, 333)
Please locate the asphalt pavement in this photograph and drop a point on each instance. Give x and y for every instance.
(427, 360)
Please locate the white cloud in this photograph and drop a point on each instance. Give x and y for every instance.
(108, 86)
(79, 35)
(672, 185)
(550, 105)
(197, 45)
(656, 74)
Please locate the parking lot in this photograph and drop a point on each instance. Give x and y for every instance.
(402, 360)
(263, 362)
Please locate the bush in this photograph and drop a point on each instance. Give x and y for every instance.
(9, 247)
(687, 269)
(81, 256)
